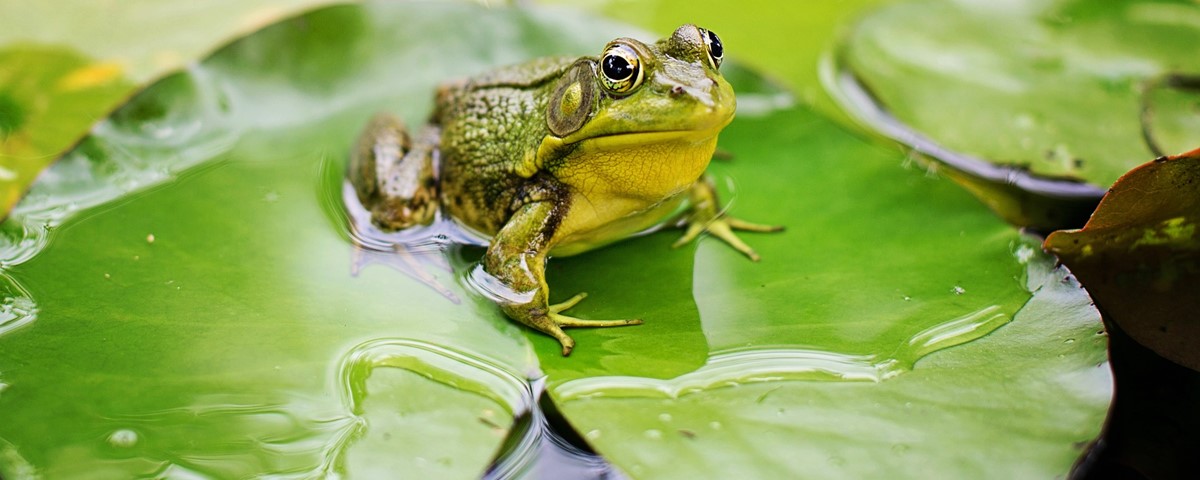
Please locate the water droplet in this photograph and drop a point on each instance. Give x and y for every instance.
(592, 434)
(150, 238)
(654, 434)
(1069, 340)
(959, 290)
(1024, 253)
(714, 425)
(664, 417)
(123, 438)
(3, 387)
(955, 332)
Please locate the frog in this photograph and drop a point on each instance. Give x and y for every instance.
(559, 156)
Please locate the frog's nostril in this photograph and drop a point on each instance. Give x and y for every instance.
(676, 90)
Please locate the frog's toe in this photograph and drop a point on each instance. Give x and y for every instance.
(721, 229)
(572, 322)
(566, 341)
(559, 307)
(553, 322)
(738, 224)
(693, 231)
(563, 321)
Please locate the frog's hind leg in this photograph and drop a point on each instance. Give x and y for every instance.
(395, 177)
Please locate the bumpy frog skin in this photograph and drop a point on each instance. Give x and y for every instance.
(559, 156)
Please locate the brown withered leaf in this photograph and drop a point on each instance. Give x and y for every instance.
(1139, 256)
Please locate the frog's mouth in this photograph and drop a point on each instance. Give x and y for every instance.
(607, 134)
(615, 141)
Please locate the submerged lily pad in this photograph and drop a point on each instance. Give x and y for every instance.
(1035, 95)
(229, 323)
(1139, 255)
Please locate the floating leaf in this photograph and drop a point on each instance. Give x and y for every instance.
(49, 97)
(1139, 255)
(1033, 95)
(62, 68)
(889, 326)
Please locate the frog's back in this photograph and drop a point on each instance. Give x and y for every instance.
(490, 123)
(523, 75)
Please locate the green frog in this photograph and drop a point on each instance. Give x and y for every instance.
(559, 156)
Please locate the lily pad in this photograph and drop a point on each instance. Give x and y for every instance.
(221, 318)
(890, 325)
(49, 97)
(1139, 255)
(215, 326)
(62, 70)
(1036, 95)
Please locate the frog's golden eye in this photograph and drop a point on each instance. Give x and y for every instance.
(716, 51)
(621, 69)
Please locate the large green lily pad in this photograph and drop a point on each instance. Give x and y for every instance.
(1030, 97)
(185, 295)
(832, 357)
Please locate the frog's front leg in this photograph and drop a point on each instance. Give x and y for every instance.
(394, 176)
(517, 257)
(704, 214)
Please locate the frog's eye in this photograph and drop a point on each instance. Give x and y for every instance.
(716, 51)
(622, 69)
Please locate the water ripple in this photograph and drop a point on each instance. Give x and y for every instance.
(731, 368)
(17, 307)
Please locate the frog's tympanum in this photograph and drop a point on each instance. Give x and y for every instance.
(559, 156)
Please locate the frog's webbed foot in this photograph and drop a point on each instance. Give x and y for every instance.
(703, 216)
(554, 322)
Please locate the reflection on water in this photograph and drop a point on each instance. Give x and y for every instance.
(297, 437)
(543, 447)
(240, 437)
(412, 252)
(461, 371)
(14, 463)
